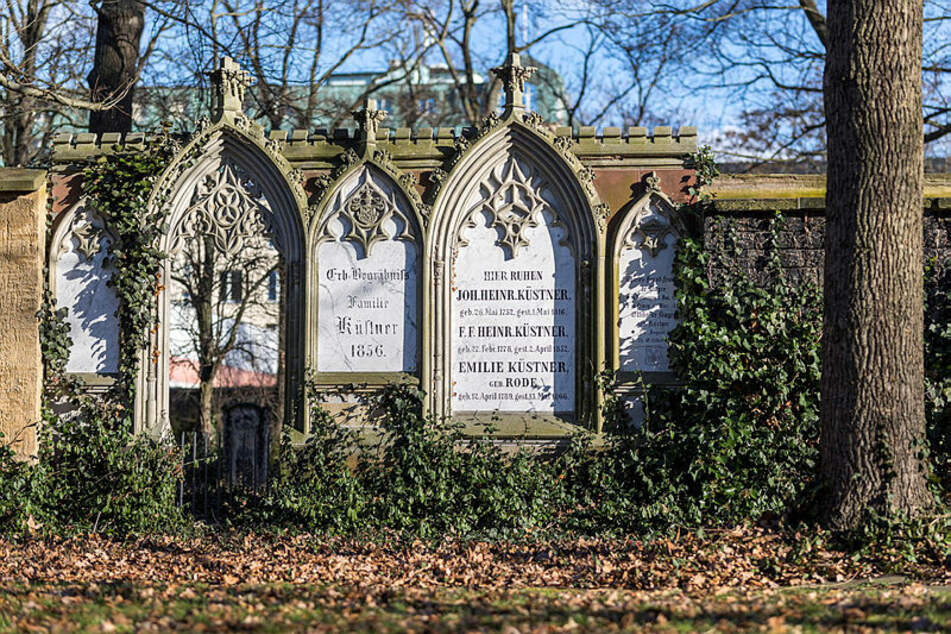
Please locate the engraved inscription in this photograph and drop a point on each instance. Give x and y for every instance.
(646, 302)
(513, 321)
(368, 302)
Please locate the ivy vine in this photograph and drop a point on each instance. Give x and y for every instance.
(118, 187)
(91, 472)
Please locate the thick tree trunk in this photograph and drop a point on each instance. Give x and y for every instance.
(118, 33)
(872, 373)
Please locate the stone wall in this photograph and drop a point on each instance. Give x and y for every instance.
(22, 242)
(638, 180)
(592, 190)
(743, 206)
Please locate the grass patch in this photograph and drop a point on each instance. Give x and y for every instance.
(898, 606)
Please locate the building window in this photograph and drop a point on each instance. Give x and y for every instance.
(427, 106)
(273, 288)
(231, 286)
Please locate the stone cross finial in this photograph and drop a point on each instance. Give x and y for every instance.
(228, 83)
(369, 118)
(513, 75)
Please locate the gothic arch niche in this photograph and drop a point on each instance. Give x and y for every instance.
(368, 254)
(515, 322)
(80, 271)
(231, 311)
(644, 246)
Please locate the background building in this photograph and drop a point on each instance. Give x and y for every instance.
(427, 96)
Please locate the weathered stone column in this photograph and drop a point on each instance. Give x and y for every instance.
(22, 241)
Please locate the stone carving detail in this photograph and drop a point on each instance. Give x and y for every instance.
(654, 235)
(323, 182)
(601, 213)
(409, 180)
(228, 206)
(310, 212)
(229, 82)
(511, 197)
(652, 183)
(365, 213)
(244, 123)
(651, 226)
(437, 176)
(534, 120)
(369, 118)
(513, 77)
(349, 157)
(488, 123)
(366, 210)
(425, 212)
(563, 143)
(382, 159)
(586, 175)
(460, 144)
(88, 231)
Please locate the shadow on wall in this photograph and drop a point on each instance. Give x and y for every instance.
(83, 288)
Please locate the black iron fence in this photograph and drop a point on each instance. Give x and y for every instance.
(202, 488)
(218, 466)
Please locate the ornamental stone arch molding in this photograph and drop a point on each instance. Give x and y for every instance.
(367, 246)
(642, 311)
(80, 270)
(230, 183)
(516, 249)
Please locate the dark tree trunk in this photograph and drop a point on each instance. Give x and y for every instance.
(118, 33)
(872, 430)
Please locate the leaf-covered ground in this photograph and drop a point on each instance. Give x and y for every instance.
(745, 579)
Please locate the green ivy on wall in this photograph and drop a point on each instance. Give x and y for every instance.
(92, 473)
(119, 186)
(736, 441)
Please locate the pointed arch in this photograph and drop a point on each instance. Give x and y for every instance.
(643, 242)
(383, 174)
(512, 163)
(229, 183)
(487, 153)
(367, 236)
(79, 278)
(270, 173)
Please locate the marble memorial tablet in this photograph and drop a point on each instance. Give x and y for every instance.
(646, 302)
(368, 275)
(367, 309)
(513, 322)
(83, 273)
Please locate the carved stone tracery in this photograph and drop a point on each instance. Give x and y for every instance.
(365, 213)
(651, 226)
(511, 197)
(229, 207)
(87, 232)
